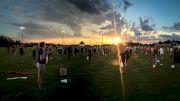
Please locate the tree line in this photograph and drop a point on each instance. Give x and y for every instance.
(5, 41)
(8, 41)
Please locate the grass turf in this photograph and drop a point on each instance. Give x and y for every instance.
(98, 81)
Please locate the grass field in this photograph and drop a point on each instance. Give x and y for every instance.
(98, 81)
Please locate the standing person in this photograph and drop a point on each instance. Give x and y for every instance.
(155, 57)
(41, 64)
(127, 56)
(146, 50)
(51, 52)
(21, 51)
(89, 54)
(161, 50)
(152, 50)
(34, 48)
(136, 51)
(174, 57)
(122, 56)
(14, 50)
(60, 53)
(47, 49)
(7, 49)
(75, 51)
(171, 52)
(69, 52)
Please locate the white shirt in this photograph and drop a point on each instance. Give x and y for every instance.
(161, 51)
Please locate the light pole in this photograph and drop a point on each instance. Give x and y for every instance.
(22, 28)
(126, 38)
(139, 39)
(89, 36)
(102, 37)
(121, 66)
(63, 32)
(74, 42)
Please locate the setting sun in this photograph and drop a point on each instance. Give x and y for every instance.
(116, 40)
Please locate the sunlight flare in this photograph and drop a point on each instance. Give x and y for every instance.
(116, 40)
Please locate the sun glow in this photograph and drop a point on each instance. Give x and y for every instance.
(116, 40)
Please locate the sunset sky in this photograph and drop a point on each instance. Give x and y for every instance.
(88, 20)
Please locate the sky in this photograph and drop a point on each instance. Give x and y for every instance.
(164, 12)
(91, 21)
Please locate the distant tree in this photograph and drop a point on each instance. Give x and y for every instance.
(160, 42)
(178, 42)
(7, 41)
(167, 42)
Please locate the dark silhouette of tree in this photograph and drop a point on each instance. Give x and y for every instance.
(7, 41)
(160, 42)
(167, 42)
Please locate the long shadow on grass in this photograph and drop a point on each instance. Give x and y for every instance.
(77, 90)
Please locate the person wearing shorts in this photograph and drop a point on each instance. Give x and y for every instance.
(41, 64)
(89, 55)
(21, 51)
(34, 48)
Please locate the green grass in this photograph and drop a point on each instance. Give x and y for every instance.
(98, 81)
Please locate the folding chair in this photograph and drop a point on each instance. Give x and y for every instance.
(64, 81)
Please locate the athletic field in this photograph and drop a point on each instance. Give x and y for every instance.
(98, 81)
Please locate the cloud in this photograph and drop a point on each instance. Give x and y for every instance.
(177, 26)
(75, 12)
(126, 4)
(31, 28)
(174, 27)
(170, 37)
(70, 12)
(35, 30)
(30, 25)
(165, 37)
(1, 16)
(167, 28)
(135, 29)
(90, 6)
(18, 11)
(106, 25)
(145, 24)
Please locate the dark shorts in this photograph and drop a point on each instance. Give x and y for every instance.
(21, 51)
(34, 54)
(123, 57)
